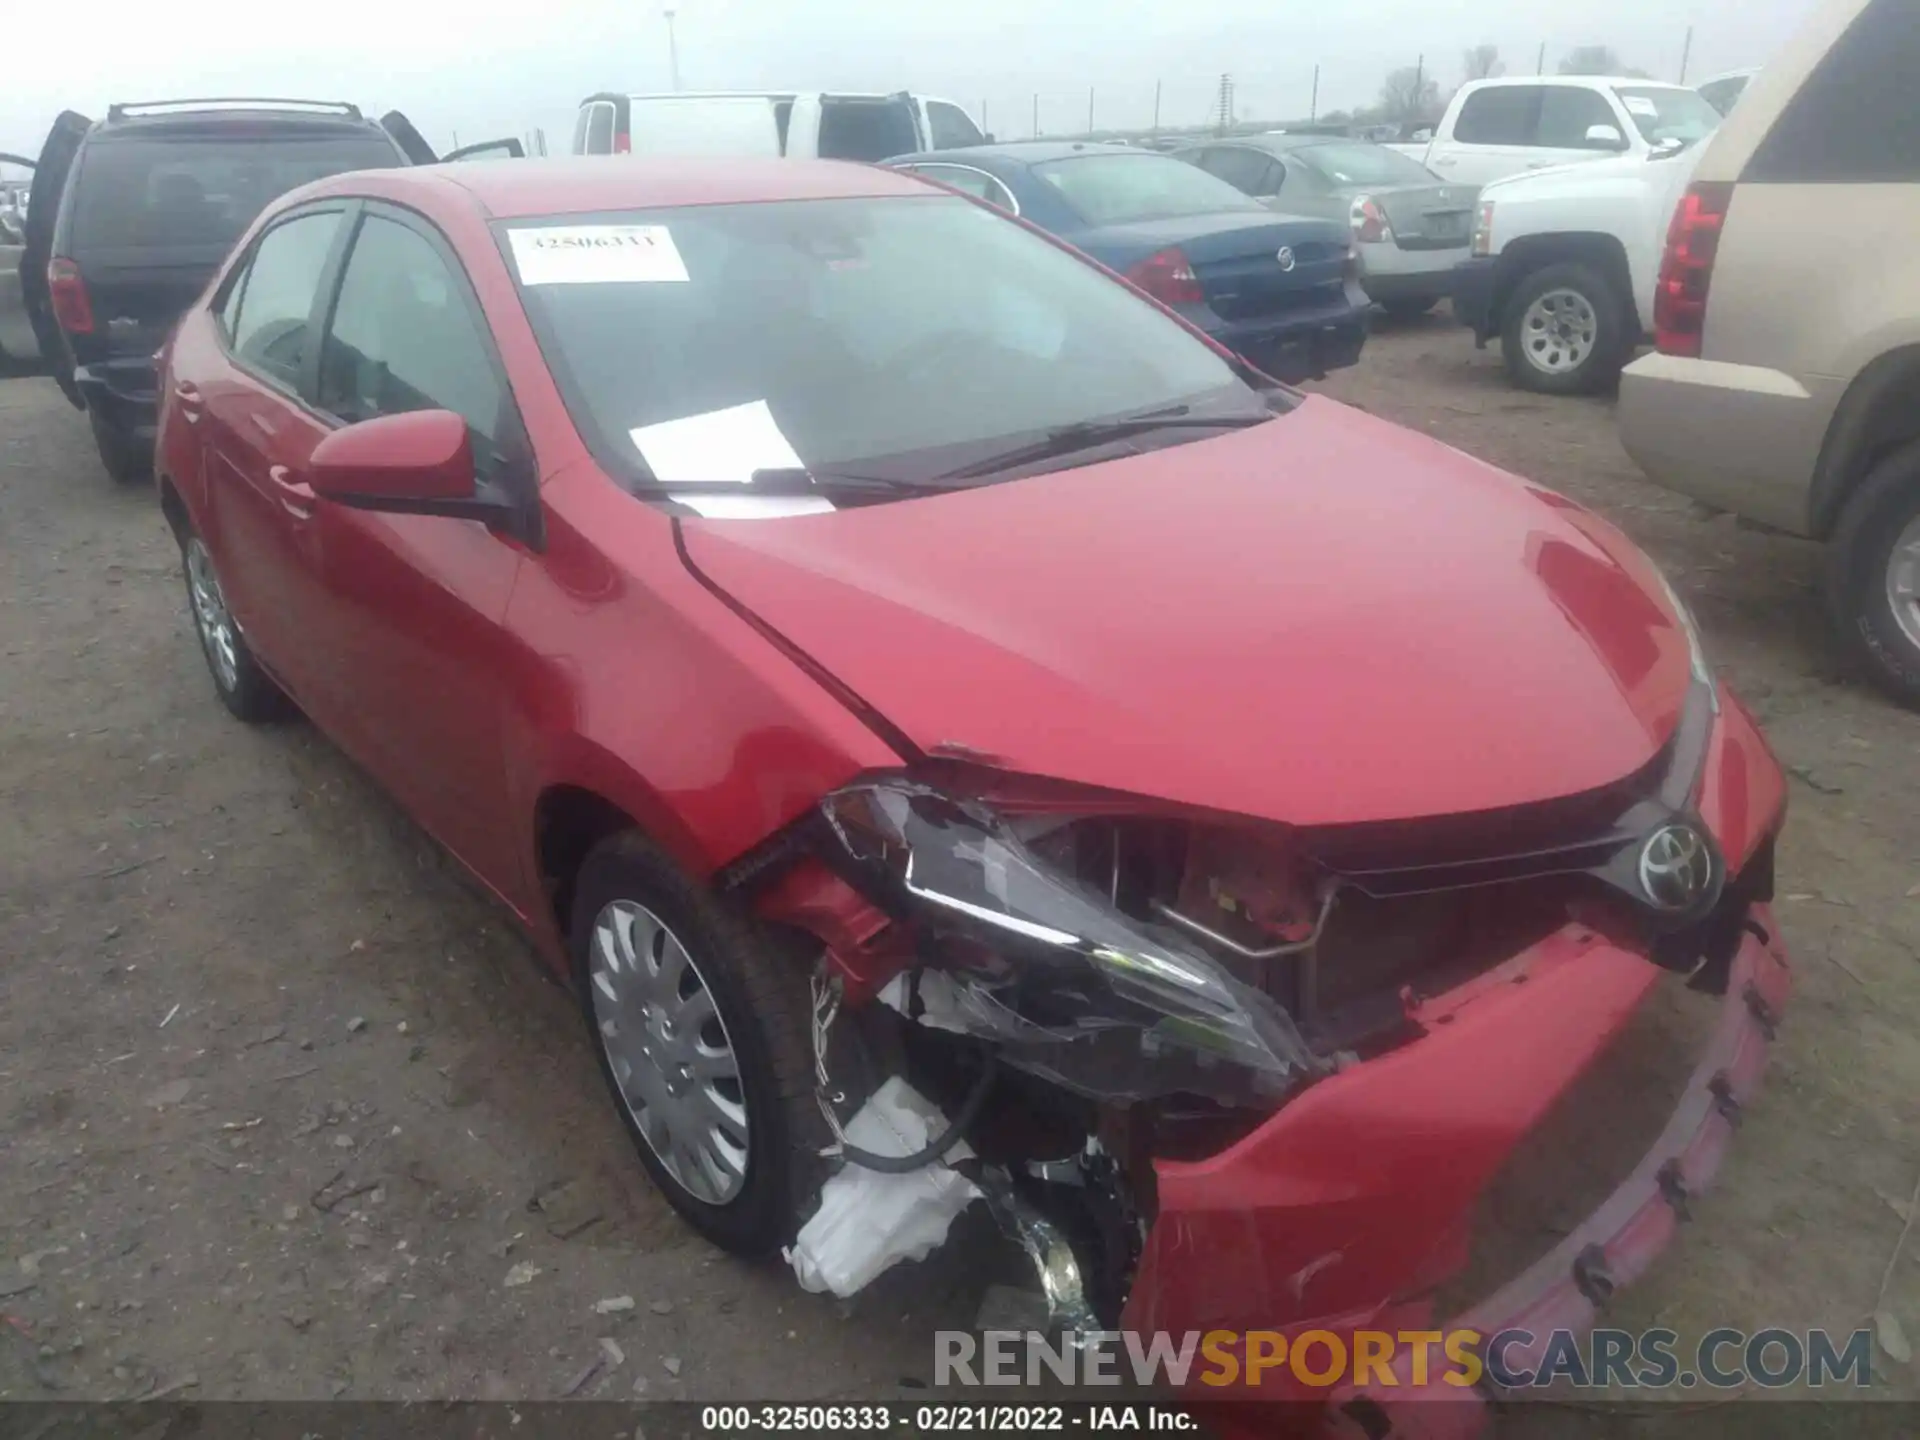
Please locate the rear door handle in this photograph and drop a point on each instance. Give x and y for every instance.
(296, 496)
(187, 397)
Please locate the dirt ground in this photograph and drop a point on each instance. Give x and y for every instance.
(286, 1111)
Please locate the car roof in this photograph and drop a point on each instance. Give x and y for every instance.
(522, 189)
(1024, 152)
(179, 117)
(1502, 81)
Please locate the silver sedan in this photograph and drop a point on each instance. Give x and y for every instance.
(1409, 226)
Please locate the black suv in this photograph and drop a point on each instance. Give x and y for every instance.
(130, 216)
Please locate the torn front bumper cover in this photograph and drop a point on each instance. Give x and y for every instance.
(1246, 1241)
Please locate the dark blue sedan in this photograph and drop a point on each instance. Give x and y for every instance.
(1279, 290)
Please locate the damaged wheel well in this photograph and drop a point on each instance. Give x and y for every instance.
(567, 823)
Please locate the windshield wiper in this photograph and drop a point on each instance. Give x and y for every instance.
(1086, 434)
(798, 480)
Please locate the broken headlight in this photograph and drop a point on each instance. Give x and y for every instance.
(1065, 985)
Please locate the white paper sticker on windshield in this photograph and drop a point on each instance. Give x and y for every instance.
(596, 255)
(1640, 105)
(719, 447)
(753, 507)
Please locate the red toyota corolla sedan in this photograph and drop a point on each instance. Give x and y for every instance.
(901, 674)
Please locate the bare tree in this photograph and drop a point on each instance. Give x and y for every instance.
(1591, 60)
(1482, 62)
(1408, 96)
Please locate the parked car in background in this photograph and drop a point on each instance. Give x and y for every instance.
(801, 125)
(1496, 128)
(1785, 385)
(1564, 265)
(1723, 92)
(1280, 291)
(19, 346)
(841, 623)
(1410, 228)
(131, 215)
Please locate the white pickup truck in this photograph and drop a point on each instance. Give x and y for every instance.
(1496, 128)
(1563, 261)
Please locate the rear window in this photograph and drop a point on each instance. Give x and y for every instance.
(1119, 189)
(164, 193)
(1348, 164)
(869, 130)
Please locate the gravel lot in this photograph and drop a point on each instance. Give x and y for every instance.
(287, 1111)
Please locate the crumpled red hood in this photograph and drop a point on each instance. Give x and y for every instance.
(1325, 619)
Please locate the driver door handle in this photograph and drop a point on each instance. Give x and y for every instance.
(296, 496)
(187, 396)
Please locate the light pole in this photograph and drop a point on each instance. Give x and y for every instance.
(673, 50)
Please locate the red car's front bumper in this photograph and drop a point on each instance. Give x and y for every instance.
(1347, 1209)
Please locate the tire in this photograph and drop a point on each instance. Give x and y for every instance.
(1594, 309)
(127, 462)
(1861, 558)
(1411, 307)
(243, 687)
(761, 1012)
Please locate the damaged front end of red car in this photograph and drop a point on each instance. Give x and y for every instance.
(1219, 1075)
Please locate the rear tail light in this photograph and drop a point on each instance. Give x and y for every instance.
(1168, 278)
(622, 142)
(1369, 222)
(1693, 239)
(68, 291)
(1483, 228)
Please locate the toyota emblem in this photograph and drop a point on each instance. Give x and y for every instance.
(1676, 867)
(1285, 257)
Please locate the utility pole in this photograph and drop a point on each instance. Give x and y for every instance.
(1223, 117)
(1089, 109)
(1540, 65)
(673, 50)
(1156, 107)
(1313, 106)
(1036, 114)
(1686, 54)
(1419, 87)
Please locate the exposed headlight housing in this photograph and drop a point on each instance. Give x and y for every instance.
(1062, 982)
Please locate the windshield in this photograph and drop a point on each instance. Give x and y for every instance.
(1119, 189)
(153, 193)
(1661, 112)
(900, 336)
(1345, 163)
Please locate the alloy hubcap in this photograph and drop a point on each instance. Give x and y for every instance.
(1903, 582)
(669, 1051)
(210, 615)
(1559, 331)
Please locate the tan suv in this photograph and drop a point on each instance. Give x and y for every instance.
(1786, 383)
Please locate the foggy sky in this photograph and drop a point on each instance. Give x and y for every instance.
(483, 68)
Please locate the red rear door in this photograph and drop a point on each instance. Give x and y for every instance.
(258, 434)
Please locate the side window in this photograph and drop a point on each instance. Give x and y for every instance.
(580, 123)
(1567, 112)
(952, 127)
(1855, 116)
(268, 327)
(1248, 171)
(403, 338)
(1721, 94)
(1499, 115)
(973, 182)
(600, 128)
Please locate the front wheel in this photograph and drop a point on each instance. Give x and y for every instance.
(1873, 574)
(1564, 331)
(702, 1032)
